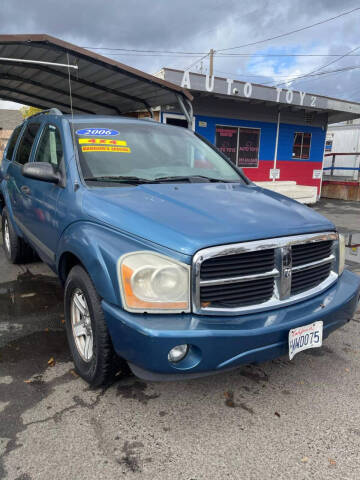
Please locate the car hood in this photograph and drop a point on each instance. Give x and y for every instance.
(187, 217)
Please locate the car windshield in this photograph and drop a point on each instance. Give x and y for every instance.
(147, 153)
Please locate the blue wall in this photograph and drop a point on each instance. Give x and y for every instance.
(268, 136)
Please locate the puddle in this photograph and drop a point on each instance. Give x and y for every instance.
(30, 295)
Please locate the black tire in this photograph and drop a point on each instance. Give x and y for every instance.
(16, 250)
(103, 365)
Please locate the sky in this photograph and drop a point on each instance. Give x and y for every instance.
(196, 26)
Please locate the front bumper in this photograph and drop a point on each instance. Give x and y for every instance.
(220, 343)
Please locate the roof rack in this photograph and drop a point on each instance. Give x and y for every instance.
(50, 111)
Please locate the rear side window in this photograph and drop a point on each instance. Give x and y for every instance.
(26, 143)
(12, 142)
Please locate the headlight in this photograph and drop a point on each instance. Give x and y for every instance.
(341, 253)
(151, 282)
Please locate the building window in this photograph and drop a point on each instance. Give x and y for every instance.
(239, 144)
(301, 147)
(248, 149)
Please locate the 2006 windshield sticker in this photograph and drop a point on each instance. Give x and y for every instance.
(97, 132)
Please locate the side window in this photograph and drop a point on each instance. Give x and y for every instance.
(301, 146)
(27, 140)
(50, 147)
(12, 142)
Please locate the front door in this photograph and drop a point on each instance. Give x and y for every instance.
(43, 223)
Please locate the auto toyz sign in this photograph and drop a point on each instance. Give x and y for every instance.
(232, 87)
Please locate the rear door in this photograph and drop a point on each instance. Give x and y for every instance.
(16, 182)
(9, 151)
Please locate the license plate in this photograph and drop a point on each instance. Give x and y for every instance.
(307, 336)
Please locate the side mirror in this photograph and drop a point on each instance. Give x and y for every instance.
(41, 171)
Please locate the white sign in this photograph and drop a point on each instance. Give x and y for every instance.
(246, 90)
(202, 124)
(275, 173)
(317, 174)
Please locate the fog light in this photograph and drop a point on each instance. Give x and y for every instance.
(178, 353)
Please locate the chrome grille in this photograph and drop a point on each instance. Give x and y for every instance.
(310, 252)
(235, 265)
(263, 274)
(238, 294)
(305, 279)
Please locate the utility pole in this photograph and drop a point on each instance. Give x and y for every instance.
(211, 56)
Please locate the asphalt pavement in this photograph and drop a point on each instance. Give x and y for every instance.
(280, 420)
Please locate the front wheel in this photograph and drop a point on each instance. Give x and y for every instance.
(87, 333)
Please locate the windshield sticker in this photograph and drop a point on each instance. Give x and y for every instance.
(97, 132)
(104, 148)
(102, 141)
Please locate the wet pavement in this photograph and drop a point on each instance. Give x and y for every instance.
(279, 420)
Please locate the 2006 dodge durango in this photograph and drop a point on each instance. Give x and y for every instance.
(172, 260)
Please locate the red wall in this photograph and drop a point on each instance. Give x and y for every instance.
(298, 171)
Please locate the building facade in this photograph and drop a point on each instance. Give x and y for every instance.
(274, 134)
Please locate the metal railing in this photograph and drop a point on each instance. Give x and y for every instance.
(333, 167)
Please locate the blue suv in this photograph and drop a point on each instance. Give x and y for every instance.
(172, 261)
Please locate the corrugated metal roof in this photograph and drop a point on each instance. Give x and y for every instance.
(100, 85)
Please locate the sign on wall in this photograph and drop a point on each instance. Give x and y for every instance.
(317, 174)
(275, 173)
(240, 144)
(248, 151)
(226, 141)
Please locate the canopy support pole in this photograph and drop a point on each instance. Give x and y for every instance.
(188, 112)
(38, 62)
(276, 142)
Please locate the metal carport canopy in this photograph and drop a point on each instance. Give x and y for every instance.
(99, 85)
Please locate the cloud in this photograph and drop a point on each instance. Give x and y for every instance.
(197, 26)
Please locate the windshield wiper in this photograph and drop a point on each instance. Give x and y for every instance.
(139, 181)
(191, 179)
(118, 179)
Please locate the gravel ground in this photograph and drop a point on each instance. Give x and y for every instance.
(279, 420)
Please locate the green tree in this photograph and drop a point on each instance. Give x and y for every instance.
(27, 111)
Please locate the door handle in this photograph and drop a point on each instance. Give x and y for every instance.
(25, 189)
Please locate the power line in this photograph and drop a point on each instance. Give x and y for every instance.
(229, 55)
(352, 67)
(196, 61)
(323, 66)
(229, 48)
(145, 51)
(291, 32)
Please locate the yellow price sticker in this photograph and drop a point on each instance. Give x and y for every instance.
(102, 141)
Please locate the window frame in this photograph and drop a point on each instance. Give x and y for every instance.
(20, 127)
(238, 127)
(21, 138)
(302, 144)
(41, 133)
